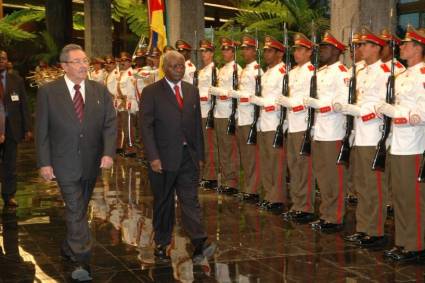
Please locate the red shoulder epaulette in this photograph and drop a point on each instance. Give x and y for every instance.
(282, 70)
(423, 70)
(399, 65)
(190, 64)
(342, 68)
(129, 73)
(385, 68)
(256, 67)
(311, 67)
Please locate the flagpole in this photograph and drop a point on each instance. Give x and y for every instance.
(167, 22)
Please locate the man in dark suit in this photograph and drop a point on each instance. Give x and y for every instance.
(13, 98)
(171, 129)
(75, 137)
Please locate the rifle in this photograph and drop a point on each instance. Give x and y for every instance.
(231, 125)
(214, 82)
(306, 144)
(381, 149)
(344, 153)
(252, 136)
(278, 137)
(196, 74)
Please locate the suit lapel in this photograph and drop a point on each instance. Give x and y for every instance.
(65, 99)
(89, 100)
(169, 94)
(186, 96)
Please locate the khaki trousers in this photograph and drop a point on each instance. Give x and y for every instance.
(228, 154)
(301, 187)
(250, 161)
(330, 178)
(372, 193)
(273, 169)
(210, 153)
(408, 201)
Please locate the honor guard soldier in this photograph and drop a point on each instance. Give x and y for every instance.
(273, 160)
(210, 170)
(228, 154)
(98, 73)
(369, 185)
(111, 79)
(185, 49)
(302, 185)
(127, 105)
(329, 129)
(153, 60)
(406, 149)
(250, 159)
(140, 58)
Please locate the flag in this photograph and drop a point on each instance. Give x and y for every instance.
(156, 10)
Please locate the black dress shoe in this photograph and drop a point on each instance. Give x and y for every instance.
(328, 227)
(220, 189)
(354, 238)
(372, 241)
(409, 256)
(275, 207)
(208, 184)
(160, 252)
(302, 217)
(392, 252)
(230, 191)
(251, 198)
(205, 250)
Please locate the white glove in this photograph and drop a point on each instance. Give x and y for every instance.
(283, 101)
(350, 109)
(233, 93)
(215, 91)
(386, 109)
(313, 103)
(414, 119)
(257, 100)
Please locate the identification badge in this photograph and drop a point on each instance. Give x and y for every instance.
(14, 96)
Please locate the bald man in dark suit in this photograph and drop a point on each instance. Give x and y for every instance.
(171, 129)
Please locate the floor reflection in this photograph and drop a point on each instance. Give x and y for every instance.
(253, 246)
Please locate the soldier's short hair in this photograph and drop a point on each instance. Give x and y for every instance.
(64, 55)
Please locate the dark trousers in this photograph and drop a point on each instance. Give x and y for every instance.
(8, 168)
(76, 195)
(184, 182)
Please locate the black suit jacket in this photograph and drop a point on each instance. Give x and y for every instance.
(165, 127)
(18, 117)
(72, 148)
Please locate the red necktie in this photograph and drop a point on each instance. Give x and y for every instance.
(178, 96)
(78, 103)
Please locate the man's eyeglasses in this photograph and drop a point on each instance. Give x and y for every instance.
(85, 61)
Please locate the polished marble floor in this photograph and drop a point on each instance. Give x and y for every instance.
(253, 246)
